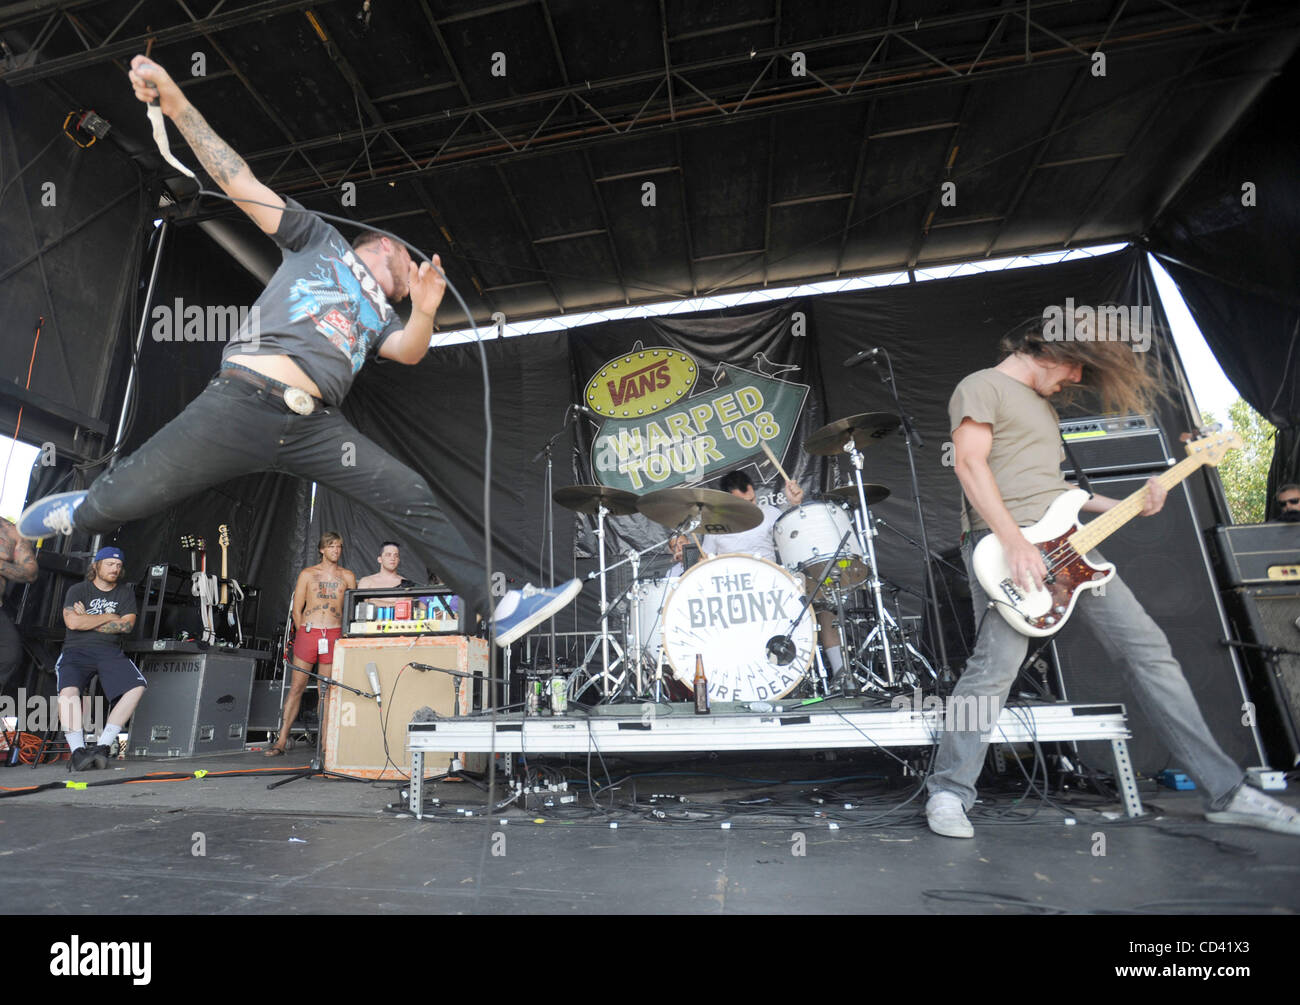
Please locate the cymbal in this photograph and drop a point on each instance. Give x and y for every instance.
(587, 499)
(849, 493)
(722, 512)
(866, 429)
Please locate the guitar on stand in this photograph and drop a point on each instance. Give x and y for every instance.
(228, 615)
(202, 586)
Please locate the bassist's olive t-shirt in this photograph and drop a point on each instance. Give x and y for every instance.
(1027, 453)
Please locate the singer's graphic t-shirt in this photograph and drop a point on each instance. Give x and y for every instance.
(322, 307)
(120, 600)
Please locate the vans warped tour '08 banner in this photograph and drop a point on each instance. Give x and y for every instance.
(677, 404)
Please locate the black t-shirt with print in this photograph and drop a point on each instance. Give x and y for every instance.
(120, 600)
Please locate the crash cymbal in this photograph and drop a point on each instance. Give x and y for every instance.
(722, 512)
(587, 499)
(866, 429)
(849, 493)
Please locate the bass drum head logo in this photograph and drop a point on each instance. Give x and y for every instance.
(641, 383)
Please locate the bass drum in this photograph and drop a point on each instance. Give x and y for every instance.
(725, 609)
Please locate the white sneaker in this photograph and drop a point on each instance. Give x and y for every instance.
(1251, 808)
(947, 817)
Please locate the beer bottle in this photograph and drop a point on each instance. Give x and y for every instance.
(701, 687)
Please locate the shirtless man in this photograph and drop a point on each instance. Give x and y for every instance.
(390, 557)
(318, 621)
(17, 564)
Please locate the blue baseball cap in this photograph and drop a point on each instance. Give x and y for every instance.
(110, 552)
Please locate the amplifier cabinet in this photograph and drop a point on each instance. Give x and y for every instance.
(1270, 616)
(195, 703)
(1246, 551)
(368, 740)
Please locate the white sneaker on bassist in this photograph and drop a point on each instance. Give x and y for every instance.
(1251, 808)
(947, 817)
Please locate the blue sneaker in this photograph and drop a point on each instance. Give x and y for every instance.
(51, 515)
(522, 610)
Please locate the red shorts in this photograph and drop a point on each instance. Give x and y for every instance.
(306, 644)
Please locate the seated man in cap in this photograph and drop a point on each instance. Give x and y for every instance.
(99, 613)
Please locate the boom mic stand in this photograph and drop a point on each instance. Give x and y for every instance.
(913, 439)
(317, 764)
(781, 648)
(548, 518)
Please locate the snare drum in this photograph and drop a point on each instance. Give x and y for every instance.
(726, 609)
(808, 535)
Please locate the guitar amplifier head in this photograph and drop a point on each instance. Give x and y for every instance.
(1115, 444)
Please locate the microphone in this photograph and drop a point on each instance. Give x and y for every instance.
(583, 409)
(372, 674)
(780, 650)
(863, 357)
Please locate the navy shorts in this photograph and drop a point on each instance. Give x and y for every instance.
(117, 674)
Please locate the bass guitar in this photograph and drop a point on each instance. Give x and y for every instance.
(1064, 542)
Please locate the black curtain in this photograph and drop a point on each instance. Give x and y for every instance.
(1229, 241)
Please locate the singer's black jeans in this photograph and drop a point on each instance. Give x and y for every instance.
(234, 428)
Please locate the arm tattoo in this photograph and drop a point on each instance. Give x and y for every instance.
(114, 627)
(17, 559)
(221, 162)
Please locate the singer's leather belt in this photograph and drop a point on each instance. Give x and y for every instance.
(295, 398)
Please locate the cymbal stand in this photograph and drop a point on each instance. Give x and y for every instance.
(866, 535)
(604, 604)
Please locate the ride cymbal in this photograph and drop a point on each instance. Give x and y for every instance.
(866, 429)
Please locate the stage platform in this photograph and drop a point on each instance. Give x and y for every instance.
(838, 723)
(809, 831)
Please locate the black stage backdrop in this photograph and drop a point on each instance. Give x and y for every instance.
(1228, 241)
(430, 416)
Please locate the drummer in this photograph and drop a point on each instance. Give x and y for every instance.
(759, 542)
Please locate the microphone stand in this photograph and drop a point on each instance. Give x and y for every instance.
(910, 435)
(317, 765)
(781, 648)
(548, 518)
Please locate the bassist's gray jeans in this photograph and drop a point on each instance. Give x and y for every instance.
(1131, 639)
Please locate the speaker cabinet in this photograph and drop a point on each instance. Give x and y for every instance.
(1270, 616)
(369, 740)
(1163, 560)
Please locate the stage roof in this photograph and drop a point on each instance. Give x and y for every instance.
(783, 141)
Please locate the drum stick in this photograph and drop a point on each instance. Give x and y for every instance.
(772, 457)
(698, 547)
